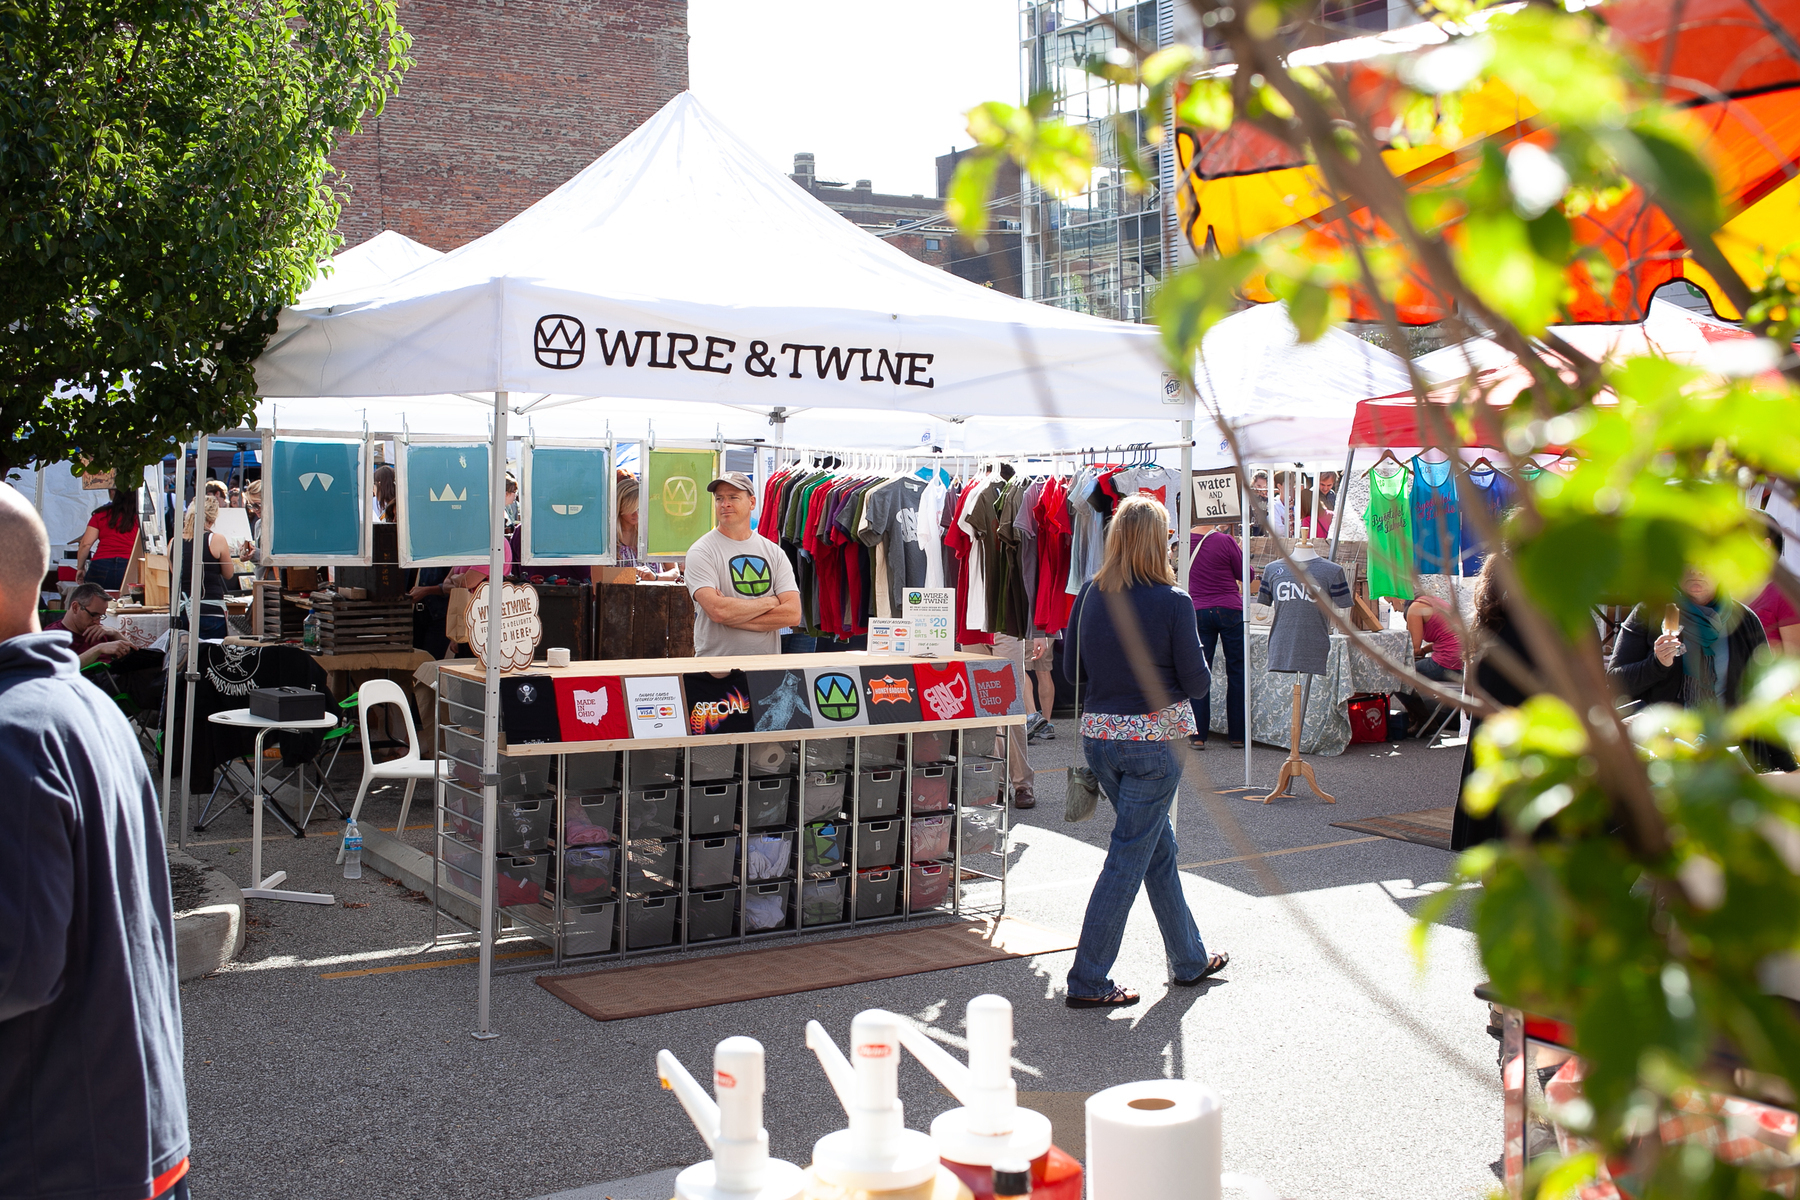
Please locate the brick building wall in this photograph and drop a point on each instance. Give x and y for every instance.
(508, 100)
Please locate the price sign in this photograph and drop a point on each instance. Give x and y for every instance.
(520, 628)
(1216, 496)
(931, 617)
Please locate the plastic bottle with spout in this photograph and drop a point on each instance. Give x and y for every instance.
(877, 1157)
(990, 1132)
(732, 1128)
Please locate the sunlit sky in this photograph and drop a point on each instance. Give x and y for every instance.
(876, 91)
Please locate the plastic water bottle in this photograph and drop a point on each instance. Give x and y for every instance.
(352, 850)
(309, 631)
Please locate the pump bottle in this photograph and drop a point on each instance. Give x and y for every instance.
(991, 1133)
(740, 1168)
(877, 1157)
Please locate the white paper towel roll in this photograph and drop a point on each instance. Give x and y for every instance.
(768, 757)
(556, 656)
(1157, 1140)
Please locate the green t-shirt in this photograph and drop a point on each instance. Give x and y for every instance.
(1389, 521)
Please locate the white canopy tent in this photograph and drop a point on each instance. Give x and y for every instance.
(1287, 400)
(380, 260)
(680, 267)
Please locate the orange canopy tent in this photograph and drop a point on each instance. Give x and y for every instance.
(1727, 66)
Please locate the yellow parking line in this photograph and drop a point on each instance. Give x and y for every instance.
(442, 962)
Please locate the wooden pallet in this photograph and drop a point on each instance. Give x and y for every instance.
(356, 626)
(279, 616)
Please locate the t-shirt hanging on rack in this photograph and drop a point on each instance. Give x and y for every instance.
(1051, 612)
(1300, 638)
(891, 519)
(1389, 522)
(1435, 519)
(1499, 493)
(930, 531)
(1087, 536)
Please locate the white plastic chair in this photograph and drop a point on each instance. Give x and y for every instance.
(411, 767)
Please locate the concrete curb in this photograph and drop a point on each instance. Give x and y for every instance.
(412, 867)
(210, 934)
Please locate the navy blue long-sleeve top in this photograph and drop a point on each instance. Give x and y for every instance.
(1165, 615)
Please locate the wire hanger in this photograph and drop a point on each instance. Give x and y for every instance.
(1387, 455)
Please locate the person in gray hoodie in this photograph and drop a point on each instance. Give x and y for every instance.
(93, 1105)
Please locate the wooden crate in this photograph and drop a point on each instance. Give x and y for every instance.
(279, 615)
(643, 620)
(356, 626)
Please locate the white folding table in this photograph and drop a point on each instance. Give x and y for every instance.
(261, 888)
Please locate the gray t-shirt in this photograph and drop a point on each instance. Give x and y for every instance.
(1300, 639)
(891, 512)
(753, 567)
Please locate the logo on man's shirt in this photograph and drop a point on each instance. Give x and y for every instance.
(750, 575)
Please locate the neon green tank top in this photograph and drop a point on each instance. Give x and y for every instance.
(1389, 521)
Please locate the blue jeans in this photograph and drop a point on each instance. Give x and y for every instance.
(109, 573)
(1222, 625)
(1140, 778)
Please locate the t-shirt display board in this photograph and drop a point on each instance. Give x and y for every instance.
(778, 700)
(566, 503)
(443, 504)
(836, 694)
(890, 694)
(718, 702)
(654, 702)
(591, 709)
(995, 689)
(931, 613)
(528, 709)
(316, 501)
(675, 506)
(944, 691)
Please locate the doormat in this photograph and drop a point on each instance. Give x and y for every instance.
(1427, 827)
(617, 993)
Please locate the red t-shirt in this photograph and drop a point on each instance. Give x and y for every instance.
(113, 543)
(1775, 612)
(1051, 612)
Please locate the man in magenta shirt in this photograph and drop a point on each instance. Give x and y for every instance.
(1216, 582)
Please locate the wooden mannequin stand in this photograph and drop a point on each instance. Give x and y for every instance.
(1292, 767)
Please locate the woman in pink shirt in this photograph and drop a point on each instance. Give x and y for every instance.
(1437, 654)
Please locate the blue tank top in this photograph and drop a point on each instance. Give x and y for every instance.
(1435, 519)
(1499, 492)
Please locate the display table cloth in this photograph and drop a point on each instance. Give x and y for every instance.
(1326, 728)
(141, 627)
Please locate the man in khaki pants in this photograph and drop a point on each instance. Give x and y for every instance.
(1018, 767)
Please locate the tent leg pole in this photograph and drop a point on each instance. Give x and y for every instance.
(172, 665)
(1184, 538)
(490, 721)
(1249, 474)
(196, 590)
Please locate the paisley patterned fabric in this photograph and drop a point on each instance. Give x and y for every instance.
(1325, 729)
(1175, 721)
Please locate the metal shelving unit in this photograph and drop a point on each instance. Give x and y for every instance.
(616, 852)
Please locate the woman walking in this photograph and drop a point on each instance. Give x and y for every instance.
(1132, 609)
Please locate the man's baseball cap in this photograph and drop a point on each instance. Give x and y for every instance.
(736, 479)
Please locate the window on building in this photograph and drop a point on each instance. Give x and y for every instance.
(931, 243)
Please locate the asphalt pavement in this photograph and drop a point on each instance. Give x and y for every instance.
(334, 1057)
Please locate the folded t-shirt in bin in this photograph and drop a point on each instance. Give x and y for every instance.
(579, 832)
(764, 912)
(769, 855)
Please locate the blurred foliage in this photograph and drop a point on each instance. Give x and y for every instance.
(164, 194)
(1646, 885)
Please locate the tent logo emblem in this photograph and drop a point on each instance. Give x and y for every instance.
(834, 696)
(306, 481)
(566, 510)
(447, 496)
(559, 342)
(680, 496)
(750, 575)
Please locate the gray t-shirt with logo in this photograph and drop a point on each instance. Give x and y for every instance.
(754, 567)
(1300, 639)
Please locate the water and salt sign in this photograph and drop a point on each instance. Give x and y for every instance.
(1216, 496)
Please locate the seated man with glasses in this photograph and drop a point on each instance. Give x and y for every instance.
(93, 642)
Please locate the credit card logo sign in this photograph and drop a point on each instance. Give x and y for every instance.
(750, 575)
(590, 706)
(308, 478)
(559, 342)
(680, 496)
(834, 697)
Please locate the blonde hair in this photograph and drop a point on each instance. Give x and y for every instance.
(628, 496)
(212, 514)
(255, 488)
(1137, 546)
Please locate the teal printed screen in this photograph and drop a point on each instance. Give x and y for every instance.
(446, 505)
(316, 501)
(569, 494)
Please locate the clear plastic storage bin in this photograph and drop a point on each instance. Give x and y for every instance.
(652, 867)
(709, 763)
(878, 843)
(712, 809)
(981, 782)
(771, 855)
(827, 754)
(877, 893)
(710, 915)
(930, 838)
(930, 748)
(930, 884)
(771, 801)
(650, 922)
(765, 906)
(653, 814)
(824, 847)
(878, 793)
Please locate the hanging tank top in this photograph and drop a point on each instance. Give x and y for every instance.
(1389, 521)
(1498, 493)
(1435, 521)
